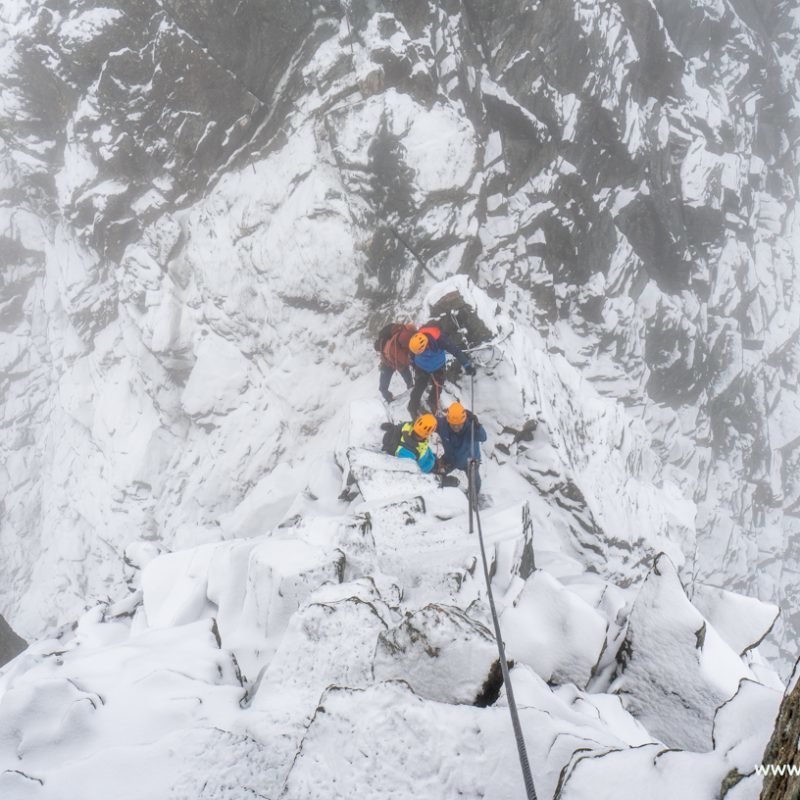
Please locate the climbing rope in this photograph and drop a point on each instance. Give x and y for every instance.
(437, 392)
(512, 705)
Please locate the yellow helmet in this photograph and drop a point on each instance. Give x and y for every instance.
(456, 414)
(425, 425)
(418, 343)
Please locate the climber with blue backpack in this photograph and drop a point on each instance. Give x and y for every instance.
(461, 435)
(429, 347)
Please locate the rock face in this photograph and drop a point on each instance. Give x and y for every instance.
(207, 212)
(554, 631)
(782, 750)
(620, 173)
(440, 652)
(10, 644)
(675, 673)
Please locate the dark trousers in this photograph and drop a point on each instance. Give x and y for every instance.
(421, 380)
(386, 373)
(449, 468)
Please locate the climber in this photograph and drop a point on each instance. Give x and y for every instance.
(429, 347)
(461, 434)
(414, 442)
(392, 344)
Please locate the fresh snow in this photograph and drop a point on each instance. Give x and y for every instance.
(229, 590)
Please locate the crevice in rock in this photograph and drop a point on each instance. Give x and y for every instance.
(490, 690)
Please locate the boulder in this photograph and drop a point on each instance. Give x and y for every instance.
(554, 631)
(674, 668)
(441, 653)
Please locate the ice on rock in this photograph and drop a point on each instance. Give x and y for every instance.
(380, 477)
(175, 587)
(743, 725)
(566, 724)
(76, 392)
(330, 642)
(281, 574)
(21, 785)
(139, 554)
(741, 621)
(674, 668)
(96, 712)
(218, 379)
(386, 741)
(554, 631)
(419, 539)
(82, 28)
(251, 588)
(440, 652)
(361, 426)
(650, 771)
(202, 762)
(44, 714)
(513, 560)
(265, 505)
(438, 144)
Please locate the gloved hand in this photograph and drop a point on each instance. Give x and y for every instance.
(469, 369)
(389, 397)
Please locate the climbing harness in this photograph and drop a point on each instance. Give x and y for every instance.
(512, 705)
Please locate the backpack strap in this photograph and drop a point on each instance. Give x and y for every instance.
(386, 333)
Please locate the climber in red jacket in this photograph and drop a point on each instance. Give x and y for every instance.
(392, 344)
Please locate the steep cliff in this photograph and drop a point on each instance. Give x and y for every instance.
(208, 210)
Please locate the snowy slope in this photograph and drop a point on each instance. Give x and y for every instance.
(209, 211)
(325, 655)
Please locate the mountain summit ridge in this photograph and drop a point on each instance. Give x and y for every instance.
(209, 211)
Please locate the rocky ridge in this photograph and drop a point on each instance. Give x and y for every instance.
(198, 235)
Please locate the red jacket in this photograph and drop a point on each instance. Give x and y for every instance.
(395, 353)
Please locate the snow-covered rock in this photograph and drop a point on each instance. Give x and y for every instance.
(675, 669)
(554, 631)
(440, 653)
(380, 741)
(742, 622)
(207, 212)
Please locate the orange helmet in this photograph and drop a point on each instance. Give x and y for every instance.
(456, 414)
(418, 343)
(425, 425)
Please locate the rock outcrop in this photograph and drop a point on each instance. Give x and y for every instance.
(208, 210)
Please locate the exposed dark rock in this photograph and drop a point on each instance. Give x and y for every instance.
(490, 690)
(11, 645)
(782, 751)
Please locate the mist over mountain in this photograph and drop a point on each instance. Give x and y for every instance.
(207, 212)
